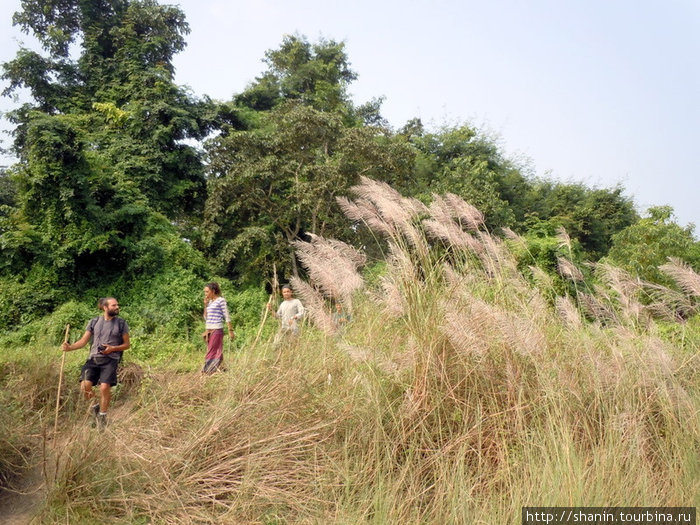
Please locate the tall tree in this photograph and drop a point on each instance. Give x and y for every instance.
(305, 143)
(644, 246)
(316, 74)
(271, 185)
(102, 163)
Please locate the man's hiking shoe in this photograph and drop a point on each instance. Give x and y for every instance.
(94, 412)
(101, 422)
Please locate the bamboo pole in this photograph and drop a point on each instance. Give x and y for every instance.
(267, 306)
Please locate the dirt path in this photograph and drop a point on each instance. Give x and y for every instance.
(23, 503)
(20, 506)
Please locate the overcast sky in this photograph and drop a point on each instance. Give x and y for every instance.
(595, 91)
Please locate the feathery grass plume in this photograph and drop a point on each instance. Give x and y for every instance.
(314, 304)
(469, 216)
(415, 206)
(669, 304)
(391, 298)
(458, 329)
(568, 312)
(440, 210)
(479, 323)
(522, 334)
(387, 201)
(564, 239)
(535, 305)
(518, 240)
(595, 308)
(657, 357)
(620, 281)
(685, 277)
(364, 211)
(568, 270)
(332, 266)
(401, 273)
(625, 287)
(542, 278)
(452, 234)
(453, 278)
(394, 211)
(496, 258)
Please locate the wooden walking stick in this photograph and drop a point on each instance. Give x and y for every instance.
(60, 380)
(267, 306)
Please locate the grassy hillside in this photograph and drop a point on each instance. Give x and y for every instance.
(462, 390)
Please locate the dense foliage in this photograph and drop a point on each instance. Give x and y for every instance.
(473, 367)
(110, 191)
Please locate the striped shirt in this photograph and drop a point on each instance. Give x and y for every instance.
(216, 313)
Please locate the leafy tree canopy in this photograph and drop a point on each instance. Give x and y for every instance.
(316, 74)
(273, 184)
(642, 247)
(102, 160)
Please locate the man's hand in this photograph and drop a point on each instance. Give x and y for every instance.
(66, 347)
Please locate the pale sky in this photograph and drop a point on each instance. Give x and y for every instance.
(594, 91)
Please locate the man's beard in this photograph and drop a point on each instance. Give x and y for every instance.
(113, 312)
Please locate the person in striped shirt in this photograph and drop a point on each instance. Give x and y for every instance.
(215, 314)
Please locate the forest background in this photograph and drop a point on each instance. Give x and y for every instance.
(128, 185)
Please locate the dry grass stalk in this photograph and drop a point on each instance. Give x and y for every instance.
(568, 312)
(669, 304)
(568, 270)
(564, 239)
(469, 216)
(314, 304)
(332, 267)
(625, 287)
(685, 277)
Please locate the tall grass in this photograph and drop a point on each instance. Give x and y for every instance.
(459, 393)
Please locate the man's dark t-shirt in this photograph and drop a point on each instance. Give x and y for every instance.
(107, 333)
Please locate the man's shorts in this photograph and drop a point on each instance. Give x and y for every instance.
(100, 373)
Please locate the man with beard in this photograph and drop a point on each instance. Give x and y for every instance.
(110, 337)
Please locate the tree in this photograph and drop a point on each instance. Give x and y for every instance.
(644, 246)
(315, 74)
(271, 185)
(102, 162)
(591, 215)
(461, 161)
(122, 83)
(8, 189)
